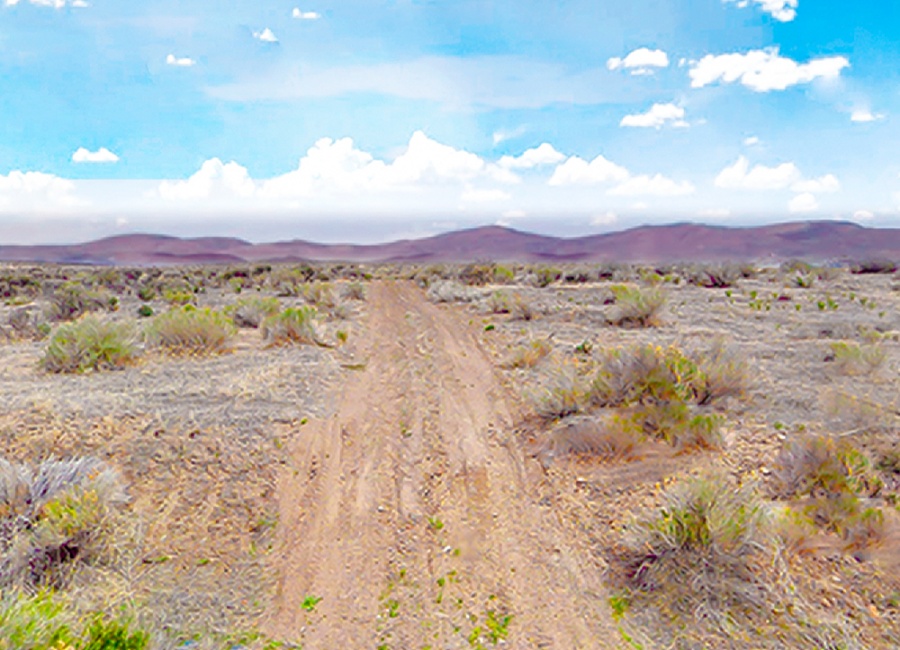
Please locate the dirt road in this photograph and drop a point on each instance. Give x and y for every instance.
(414, 518)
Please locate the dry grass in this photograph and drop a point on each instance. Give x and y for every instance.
(851, 358)
(604, 437)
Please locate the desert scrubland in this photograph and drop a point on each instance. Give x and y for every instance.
(449, 456)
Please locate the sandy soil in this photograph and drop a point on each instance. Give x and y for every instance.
(414, 513)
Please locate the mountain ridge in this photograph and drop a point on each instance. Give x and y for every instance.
(686, 241)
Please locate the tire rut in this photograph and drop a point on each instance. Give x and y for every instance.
(411, 512)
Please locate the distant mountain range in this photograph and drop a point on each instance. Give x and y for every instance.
(812, 240)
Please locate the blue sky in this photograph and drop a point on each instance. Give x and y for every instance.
(350, 120)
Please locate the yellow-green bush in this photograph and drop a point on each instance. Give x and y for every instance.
(192, 331)
(90, 344)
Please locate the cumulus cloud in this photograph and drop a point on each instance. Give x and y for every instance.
(305, 15)
(266, 36)
(544, 154)
(102, 155)
(763, 70)
(214, 179)
(656, 185)
(781, 10)
(184, 62)
(656, 117)
(578, 171)
(751, 141)
(35, 190)
(601, 171)
(338, 166)
(641, 61)
(865, 115)
(803, 203)
(827, 183)
(741, 176)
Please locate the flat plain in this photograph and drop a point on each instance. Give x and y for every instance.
(591, 456)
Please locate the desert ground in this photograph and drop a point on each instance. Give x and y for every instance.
(450, 456)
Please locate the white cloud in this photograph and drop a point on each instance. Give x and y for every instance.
(184, 62)
(656, 117)
(763, 70)
(827, 183)
(781, 10)
(475, 195)
(604, 219)
(656, 185)
(56, 4)
(600, 171)
(863, 215)
(544, 154)
(338, 166)
(214, 179)
(81, 4)
(35, 190)
(578, 171)
(865, 115)
(641, 61)
(514, 214)
(803, 203)
(102, 155)
(751, 141)
(504, 135)
(305, 15)
(740, 176)
(266, 36)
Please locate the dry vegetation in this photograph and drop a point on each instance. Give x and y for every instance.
(721, 441)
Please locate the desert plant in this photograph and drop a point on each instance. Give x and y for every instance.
(178, 297)
(498, 302)
(562, 393)
(90, 344)
(71, 300)
(521, 309)
(635, 307)
(873, 266)
(851, 358)
(251, 312)
(53, 515)
(354, 291)
(696, 557)
(188, 330)
(529, 355)
(293, 325)
(604, 437)
(319, 294)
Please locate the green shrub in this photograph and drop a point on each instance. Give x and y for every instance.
(293, 325)
(319, 294)
(251, 312)
(52, 516)
(696, 557)
(178, 297)
(90, 344)
(635, 307)
(192, 331)
(145, 311)
(40, 622)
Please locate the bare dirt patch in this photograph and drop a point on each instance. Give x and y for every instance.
(415, 515)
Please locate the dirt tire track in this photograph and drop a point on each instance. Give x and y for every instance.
(414, 511)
